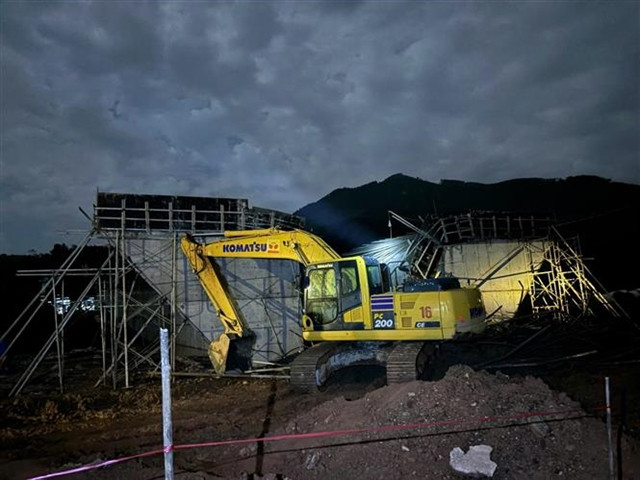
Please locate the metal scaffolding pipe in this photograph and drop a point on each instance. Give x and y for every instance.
(24, 378)
(53, 280)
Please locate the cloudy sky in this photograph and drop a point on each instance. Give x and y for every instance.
(282, 102)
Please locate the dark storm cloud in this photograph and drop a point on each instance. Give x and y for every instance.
(282, 102)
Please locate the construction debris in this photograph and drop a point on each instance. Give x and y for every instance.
(475, 463)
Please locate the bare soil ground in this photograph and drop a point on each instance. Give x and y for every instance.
(40, 433)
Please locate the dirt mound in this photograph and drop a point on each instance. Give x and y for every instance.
(40, 435)
(465, 408)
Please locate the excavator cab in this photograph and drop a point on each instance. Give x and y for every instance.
(336, 291)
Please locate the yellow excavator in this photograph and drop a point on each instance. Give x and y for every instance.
(351, 315)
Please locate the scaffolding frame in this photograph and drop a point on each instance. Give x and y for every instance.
(561, 284)
(123, 317)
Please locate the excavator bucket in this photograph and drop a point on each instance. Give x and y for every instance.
(218, 353)
(230, 352)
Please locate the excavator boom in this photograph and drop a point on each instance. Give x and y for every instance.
(272, 243)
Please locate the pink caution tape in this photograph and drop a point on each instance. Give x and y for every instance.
(299, 436)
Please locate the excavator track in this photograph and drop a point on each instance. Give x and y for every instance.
(406, 362)
(306, 374)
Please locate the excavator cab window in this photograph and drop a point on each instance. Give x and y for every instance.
(322, 296)
(349, 286)
(375, 279)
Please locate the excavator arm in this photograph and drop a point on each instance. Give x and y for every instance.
(217, 289)
(273, 243)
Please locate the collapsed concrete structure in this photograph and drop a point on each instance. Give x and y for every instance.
(516, 262)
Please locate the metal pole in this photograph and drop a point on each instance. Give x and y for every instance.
(609, 439)
(102, 330)
(124, 300)
(174, 298)
(167, 431)
(116, 334)
(57, 333)
(112, 318)
(61, 333)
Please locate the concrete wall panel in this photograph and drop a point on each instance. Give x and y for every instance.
(266, 292)
(502, 270)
